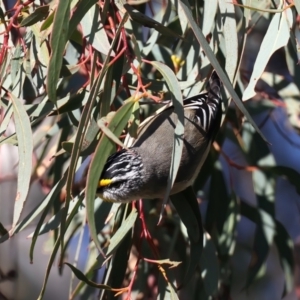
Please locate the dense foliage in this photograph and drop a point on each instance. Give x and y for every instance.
(77, 80)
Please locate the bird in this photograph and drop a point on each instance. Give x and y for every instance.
(142, 171)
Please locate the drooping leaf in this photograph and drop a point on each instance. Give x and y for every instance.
(38, 14)
(119, 263)
(171, 80)
(6, 119)
(231, 38)
(3, 230)
(210, 10)
(80, 11)
(25, 148)
(187, 208)
(297, 4)
(148, 22)
(104, 148)
(55, 250)
(285, 248)
(93, 31)
(83, 278)
(122, 231)
(48, 22)
(292, 175)
(58, 42)
(276, 37)
(209, 266)
(202, 41)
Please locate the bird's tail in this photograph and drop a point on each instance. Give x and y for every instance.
(214, 104)
(214, 89)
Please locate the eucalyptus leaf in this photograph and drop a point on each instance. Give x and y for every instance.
(39, 14)
(171, 80)
(82, 277)
(276, 37)
(58, 42)
(202, 41)
(25, 147)
(104, 148)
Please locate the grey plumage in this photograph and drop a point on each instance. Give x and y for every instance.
(143, 170)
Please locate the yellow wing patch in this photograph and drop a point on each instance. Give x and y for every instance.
(104, 182)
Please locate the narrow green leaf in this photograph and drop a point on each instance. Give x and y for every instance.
(230, 36)
(134, 121)
(47, 23)
(80, 136)
(59, 38)
(262, 242)
(93, 30)
(6, 118)
(148, 22)
(122, 231)
(55, 249)
(227, 238)
(3, 230)
(104, 148)
(297, 4)
(71, 102)
(173, 292)
(102, 211)
(25, 148)
(80, 11)
(84, 121)
(264, 187)
(90, 139)
(166, 290)
(119, 264)
(49, 266)
(219, 200)
(205, 170)
(12, 139)
(48, 204)
(71, 234)
(109, 133)
(209, 13)
(277, 36)
(285, 248)
(39, 227)
(109, 87)
(2, 15)
(136, 49)
(187, 216)
(209, 264)
(40, 207)
(78, 142)
(83, 278)
(38, 14)
(173, 86)
(213, 60)
(282, 240)
(263, 238)
(67, 147)
(292, 175)
(187, 208)
(16, 62)
(6, 63)
(88, 274)
(51, 224)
